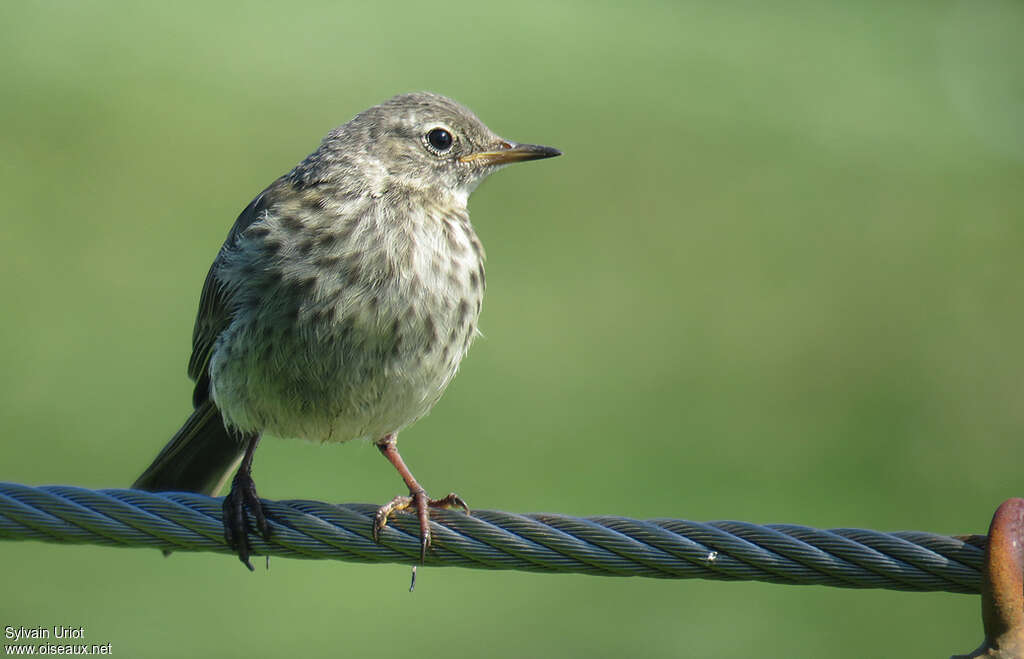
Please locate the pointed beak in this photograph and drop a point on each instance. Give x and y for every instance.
(509, 152)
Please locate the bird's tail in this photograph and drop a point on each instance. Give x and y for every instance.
(199, 458)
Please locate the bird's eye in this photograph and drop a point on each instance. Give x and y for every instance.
(439, 139)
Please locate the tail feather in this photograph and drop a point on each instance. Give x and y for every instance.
(199, 458)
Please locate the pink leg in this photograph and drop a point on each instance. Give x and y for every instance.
(417, 497)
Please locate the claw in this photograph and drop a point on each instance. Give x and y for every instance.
(451, 500)
(243, 497)
(423, 504)
(380, 520)
(417, 497)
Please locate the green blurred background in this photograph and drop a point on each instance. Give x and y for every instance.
(776, 277)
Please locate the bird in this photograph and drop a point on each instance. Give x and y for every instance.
(340, 305)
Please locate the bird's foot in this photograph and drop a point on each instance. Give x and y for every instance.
(423, 504)
(243, 497)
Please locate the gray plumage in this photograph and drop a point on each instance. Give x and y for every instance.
(345, 294)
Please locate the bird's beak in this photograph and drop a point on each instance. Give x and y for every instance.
(508, 152)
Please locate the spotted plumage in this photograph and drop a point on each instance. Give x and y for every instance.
(342, 301)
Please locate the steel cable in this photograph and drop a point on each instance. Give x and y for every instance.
(544, 542)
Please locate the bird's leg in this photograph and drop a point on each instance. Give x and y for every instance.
(243, 496)
(417, 497)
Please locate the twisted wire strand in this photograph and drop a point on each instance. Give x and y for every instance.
(543, 542)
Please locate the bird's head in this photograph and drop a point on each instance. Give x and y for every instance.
(429, 141)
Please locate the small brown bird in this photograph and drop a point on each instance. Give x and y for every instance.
(341, 303)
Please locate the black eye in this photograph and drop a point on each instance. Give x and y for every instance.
(440, 139)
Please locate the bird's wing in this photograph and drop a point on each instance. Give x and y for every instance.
(215, 310)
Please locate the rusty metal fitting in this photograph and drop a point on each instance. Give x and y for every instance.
(1002, 590)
